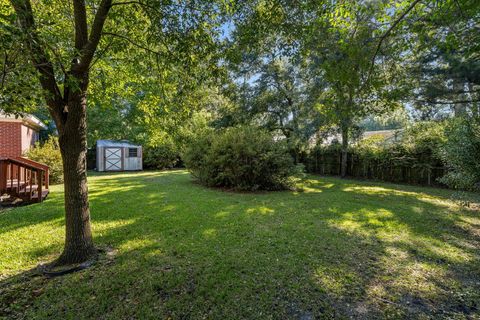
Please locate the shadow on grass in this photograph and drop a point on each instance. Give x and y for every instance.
(24, 216)
(340, 249)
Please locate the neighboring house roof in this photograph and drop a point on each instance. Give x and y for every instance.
(113, 143)
(28, 119)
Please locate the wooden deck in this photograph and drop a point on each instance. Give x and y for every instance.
(23, 179)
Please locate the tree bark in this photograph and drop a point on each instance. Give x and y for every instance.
(73, 146)
(69, 114)
(343, 166)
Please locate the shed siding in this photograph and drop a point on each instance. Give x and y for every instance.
(132, 164)
(100, 159)
(128, 164)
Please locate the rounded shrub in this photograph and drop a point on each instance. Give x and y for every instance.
(241, 158)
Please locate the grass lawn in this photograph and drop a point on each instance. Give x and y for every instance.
(339, 249)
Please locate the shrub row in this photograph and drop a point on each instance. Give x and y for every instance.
(393, 164)
(431, 153)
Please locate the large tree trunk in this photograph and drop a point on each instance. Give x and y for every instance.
(343, 167)
(71, 122)
(73, 145)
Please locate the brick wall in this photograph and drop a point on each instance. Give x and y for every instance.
(10, 139)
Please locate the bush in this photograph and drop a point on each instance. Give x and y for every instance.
(242, 158)
(461, 154)
(424, 137)
(162, 156)
(49, 153)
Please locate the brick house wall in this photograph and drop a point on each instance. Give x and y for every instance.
(18, 133)
(10, 139)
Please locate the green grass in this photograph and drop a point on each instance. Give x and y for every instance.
(339, 249)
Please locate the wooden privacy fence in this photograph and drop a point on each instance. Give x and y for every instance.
(403, 168)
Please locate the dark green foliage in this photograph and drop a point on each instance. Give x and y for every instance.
(443, 64)
(242, 158)
(92, 159)
(162, 156)
(424, 137)
(413, 159)
(429, 152)
(49, 153)
(461, 153)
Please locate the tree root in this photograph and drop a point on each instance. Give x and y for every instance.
(57, 268)
(50, 271)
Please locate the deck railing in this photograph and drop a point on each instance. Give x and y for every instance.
(24, 178)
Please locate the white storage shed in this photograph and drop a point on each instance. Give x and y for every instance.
(118, 156)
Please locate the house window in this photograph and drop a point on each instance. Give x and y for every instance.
(132, 152)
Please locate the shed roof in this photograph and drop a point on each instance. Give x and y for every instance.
(113, 143)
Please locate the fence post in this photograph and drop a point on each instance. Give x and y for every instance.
(47, 178)
(40, 183)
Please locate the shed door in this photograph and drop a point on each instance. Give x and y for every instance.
(113, 159)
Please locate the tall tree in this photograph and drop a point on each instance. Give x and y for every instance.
(271, 79)
(443, 59)
(66, 42)
(68, 109)
(341, 48)
(344, 48)
(275, 97)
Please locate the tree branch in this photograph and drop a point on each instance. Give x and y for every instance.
(88, 50)
(4, 71)
(40, 59)
(393, 26)
(385, 36)
(81, 28)
(131, 42)
(100, 54)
